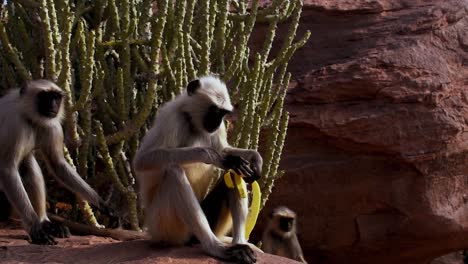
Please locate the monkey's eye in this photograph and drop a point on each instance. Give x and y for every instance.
(213, 109)
(216, 111)
(57, 95)
(224, 112)
(286, 223)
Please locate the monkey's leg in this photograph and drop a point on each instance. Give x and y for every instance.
(215, 207)
(239, 209)
(16, 194)
(224, 208)
(178, 195)
(302, 259)
(35, 186)
(186, 207)
(33, 181)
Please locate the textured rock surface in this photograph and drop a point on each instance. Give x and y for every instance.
(377, 153)
(452, 258)
(90, 249)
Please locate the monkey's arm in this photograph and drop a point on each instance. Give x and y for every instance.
(297, 250)
(65, 173)
(16, 194)
(70, 179)
(18, 197)
(157, 158)
(251, 155)
(267, 243)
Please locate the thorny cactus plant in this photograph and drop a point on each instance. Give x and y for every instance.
(118, 61)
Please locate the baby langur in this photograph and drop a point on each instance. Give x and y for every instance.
(174, 167)
(279, 237)
(30, 120)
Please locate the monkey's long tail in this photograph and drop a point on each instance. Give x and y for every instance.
(85, 230)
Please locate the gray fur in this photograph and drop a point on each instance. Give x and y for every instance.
(24, 131)
(278, 242)
(174, 167)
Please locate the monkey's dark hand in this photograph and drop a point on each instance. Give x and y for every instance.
(228, 161)
(109, 212)
(106, 209)
(256, 162)
(241, 254)
(56, 229)
(39, 234)
(239, 165)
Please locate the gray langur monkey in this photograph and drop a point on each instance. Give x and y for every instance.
(279, 237)
(30, 120)
(175, 164)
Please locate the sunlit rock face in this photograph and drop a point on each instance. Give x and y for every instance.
(377, 148)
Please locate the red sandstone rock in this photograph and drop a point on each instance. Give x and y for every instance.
(453, 258)
(377, 152)
(90, 249)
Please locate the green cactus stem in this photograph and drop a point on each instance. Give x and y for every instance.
(118, 61)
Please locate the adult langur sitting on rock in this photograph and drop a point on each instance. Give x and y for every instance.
(174, 167)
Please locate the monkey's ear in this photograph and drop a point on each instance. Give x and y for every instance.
(193, 86)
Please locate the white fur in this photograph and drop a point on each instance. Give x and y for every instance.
(175, 163)
(216, 90)
(22, 131)
(288, 245)
(28, 102)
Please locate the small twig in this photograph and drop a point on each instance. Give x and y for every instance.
(86, 230)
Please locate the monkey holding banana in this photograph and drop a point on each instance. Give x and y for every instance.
(30, 120)
(176, 163)
(279, 237)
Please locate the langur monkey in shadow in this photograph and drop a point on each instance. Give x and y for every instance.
(279, 237)
(175, 164)
(30, 120)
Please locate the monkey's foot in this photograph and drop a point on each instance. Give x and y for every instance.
(56, 229)
(39, 235)
(241, 253)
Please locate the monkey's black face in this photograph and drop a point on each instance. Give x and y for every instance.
(286, 224)
(48, 103)
(213, 118)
